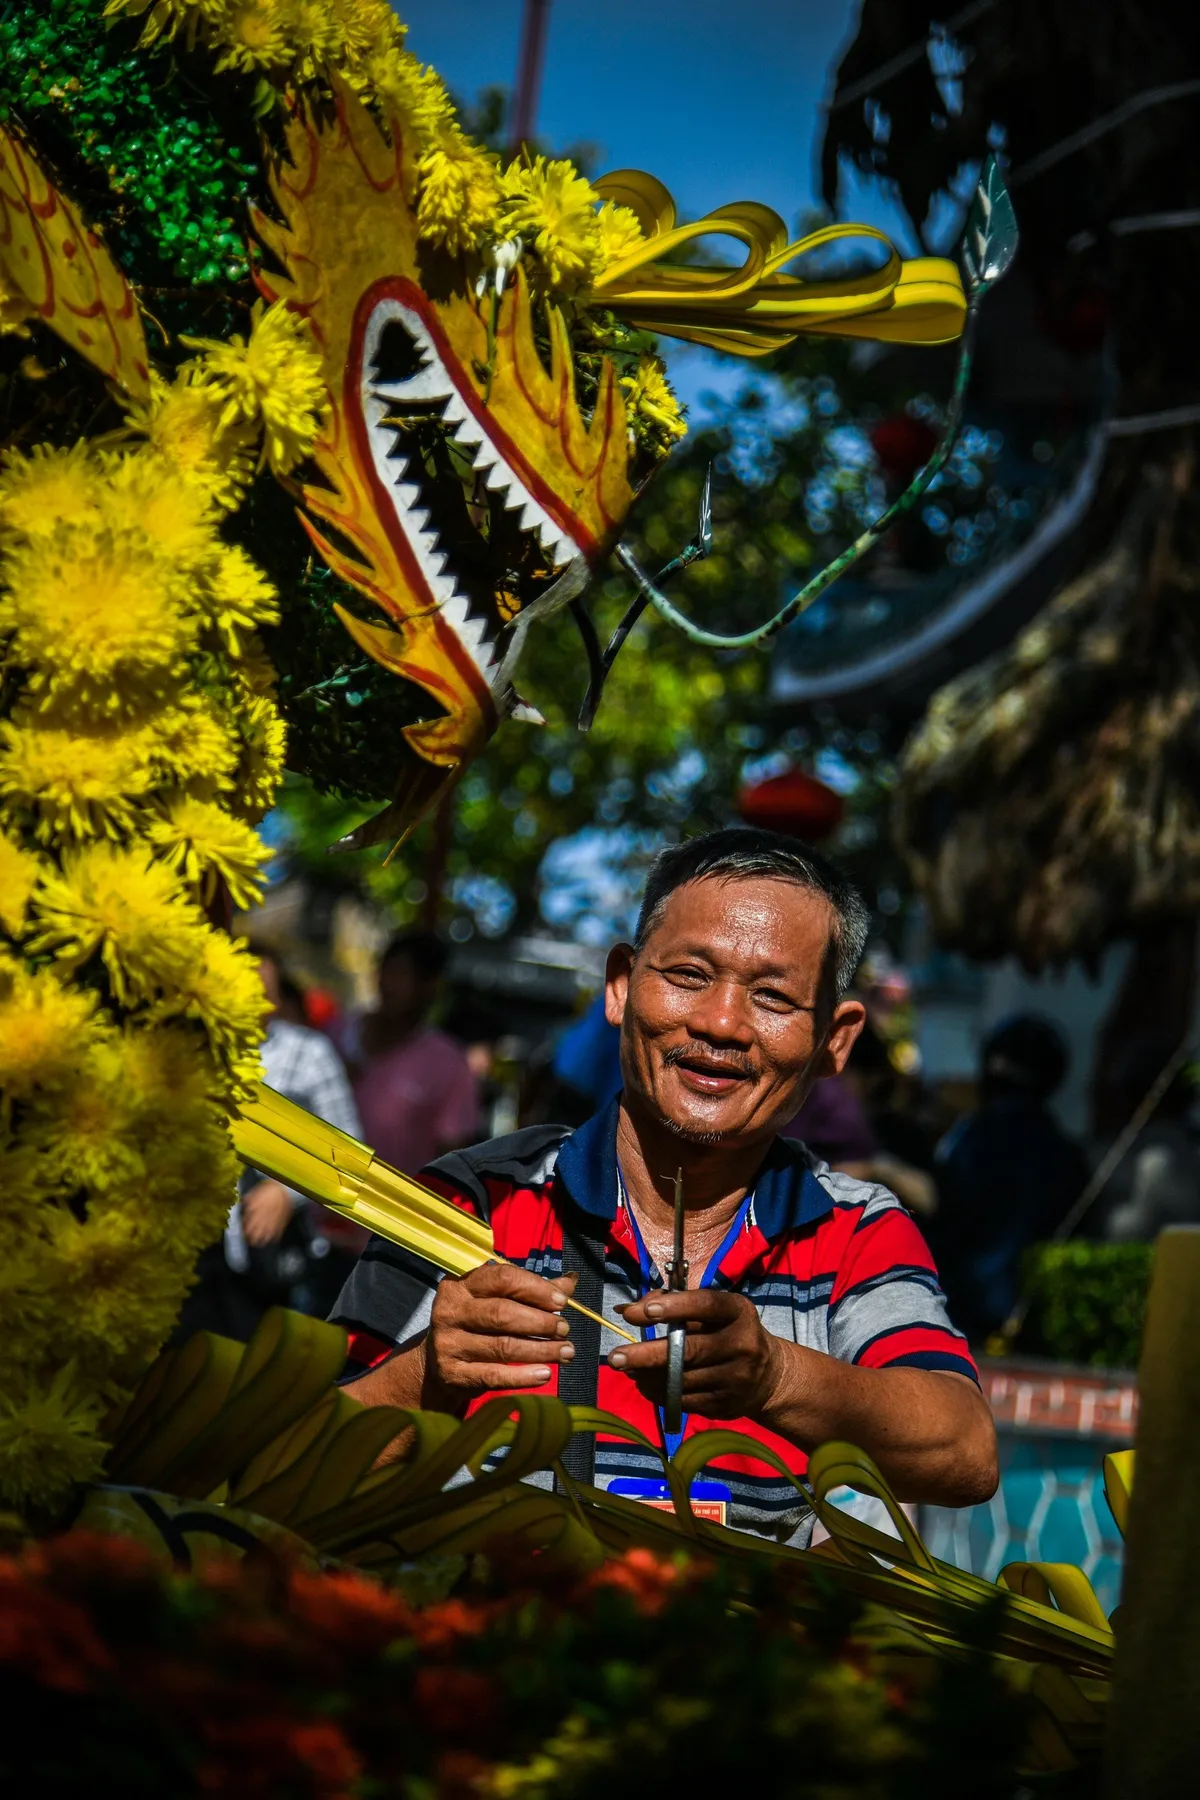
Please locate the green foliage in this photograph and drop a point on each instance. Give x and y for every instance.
(1089, 1301)
(163, 165)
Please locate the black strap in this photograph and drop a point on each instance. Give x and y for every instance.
(585, 1240)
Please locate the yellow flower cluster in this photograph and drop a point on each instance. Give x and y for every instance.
(139, 744)
(654, 411)
(465, 201)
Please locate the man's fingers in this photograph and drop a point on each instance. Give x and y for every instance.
(505, 1281)
(506, 1375)
(708, 1307)
(499, 1317)
(701, 1349)
(467, 1347)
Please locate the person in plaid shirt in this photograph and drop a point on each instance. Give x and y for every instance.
(813, 1308)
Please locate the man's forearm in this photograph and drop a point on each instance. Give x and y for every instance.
(931, 1433)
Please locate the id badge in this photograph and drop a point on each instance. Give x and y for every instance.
(709, 1499)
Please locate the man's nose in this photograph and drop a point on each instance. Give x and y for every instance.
(721, 1013)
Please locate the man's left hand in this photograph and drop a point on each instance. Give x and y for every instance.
(731, 1365)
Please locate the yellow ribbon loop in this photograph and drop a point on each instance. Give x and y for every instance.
(754, 307)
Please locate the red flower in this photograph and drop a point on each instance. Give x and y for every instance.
(439, 1627)
(458, 1775)
(46, 1636)
(453, 1703)
(249, 1758)
(348, 1610)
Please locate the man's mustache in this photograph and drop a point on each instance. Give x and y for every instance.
(724, 1062)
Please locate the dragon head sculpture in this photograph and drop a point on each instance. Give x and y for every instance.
(459, 485)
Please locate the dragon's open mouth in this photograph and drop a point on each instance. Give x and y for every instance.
(485, 548)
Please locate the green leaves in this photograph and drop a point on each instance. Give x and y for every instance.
(991, 238)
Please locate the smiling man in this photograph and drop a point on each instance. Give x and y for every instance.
(813, 1309)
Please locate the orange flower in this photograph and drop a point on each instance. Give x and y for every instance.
(646, 1578)
(440, 1626)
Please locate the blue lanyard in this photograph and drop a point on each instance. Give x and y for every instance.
(673, 1439)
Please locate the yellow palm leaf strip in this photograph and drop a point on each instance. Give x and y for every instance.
(281, 1139)
(1118, 1484)
(1067, 1586)
(543, 1428)
(294, 1445)
(284, 1370)
(753, 307)
(352, 1452)
(190, 1385)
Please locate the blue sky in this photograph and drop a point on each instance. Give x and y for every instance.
(720, 100)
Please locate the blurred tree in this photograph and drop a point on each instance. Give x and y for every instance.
(1051, 799)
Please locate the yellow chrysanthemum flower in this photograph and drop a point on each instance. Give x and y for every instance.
(120, 1282)
(170, 1073)
(221, 990)
(49, 1439)
(20, 871)
(77, 784)
(48, 488)
(274, 378)
(47, 1029)
(253, 37)
(460, 192)
(619, 232)
(126, 908)
(409, 88)
(204, 845)
(651, 402)
(552, 208)
(95, 612)
(83, 1132)
(143, 492)
(182, 422)
(260, 768)
(192, 744)
(238, 597)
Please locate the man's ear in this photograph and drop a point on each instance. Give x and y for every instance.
(617, 971)
(849, 1017)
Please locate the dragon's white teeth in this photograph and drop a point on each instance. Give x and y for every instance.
(474, 636)
(431, 383)
(499, 479)
(408, 494)
(469, 431)
(558, 547)
(455, 407)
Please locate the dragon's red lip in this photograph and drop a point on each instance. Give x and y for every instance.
(439, 385)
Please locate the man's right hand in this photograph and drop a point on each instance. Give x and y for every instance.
(498, 1327)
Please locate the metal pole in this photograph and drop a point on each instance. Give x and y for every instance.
(529, 73)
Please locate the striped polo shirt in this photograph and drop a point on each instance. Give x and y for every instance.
(831, 1263)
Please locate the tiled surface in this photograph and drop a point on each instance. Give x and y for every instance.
(1055, 1429)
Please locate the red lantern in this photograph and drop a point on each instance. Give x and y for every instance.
(903, 445)
(796, 803)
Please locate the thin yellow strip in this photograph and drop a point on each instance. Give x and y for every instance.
(630, 1337)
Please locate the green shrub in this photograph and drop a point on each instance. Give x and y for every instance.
(1088, 1301)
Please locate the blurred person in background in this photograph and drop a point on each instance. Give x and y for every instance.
(417, 1094)
(1157, 1181)
(279, 1247)
(1007, 1174)
(851, 1122)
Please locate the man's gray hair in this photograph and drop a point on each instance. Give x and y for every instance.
(743, 852)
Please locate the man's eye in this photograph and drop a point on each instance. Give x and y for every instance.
(774, 1000)
(684, 975)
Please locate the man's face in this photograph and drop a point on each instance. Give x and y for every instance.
(404, 993)
(726, 1012)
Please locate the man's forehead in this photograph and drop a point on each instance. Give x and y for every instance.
(729, 910)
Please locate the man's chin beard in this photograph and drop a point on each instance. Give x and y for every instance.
(691, 1135)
